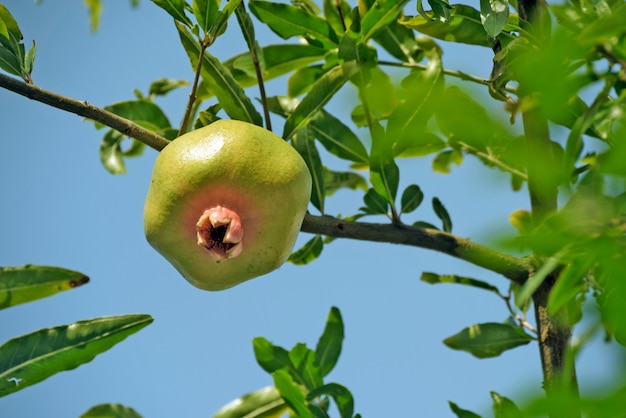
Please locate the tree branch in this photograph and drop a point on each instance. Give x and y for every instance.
(85, 109)
(514, 268)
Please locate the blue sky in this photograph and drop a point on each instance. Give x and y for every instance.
(60, 207)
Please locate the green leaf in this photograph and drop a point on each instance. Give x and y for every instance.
(29, 59)
(337, 138)
(441, 10)
(503, 407)
(247, 28)
(379, 16)
(30, 282)
(442, 214)
(291, 393)
(9, 62)
(269, 356)
(335, 180)
(263, 403)
(494, 15)
(206, 13)
(570, 283)
(8, 25)
(462, 413)
(442, 163)
(523, 296)
(400, 42)
(222, 18)
(305, 370)
(163, 86)
(340, 394)
(176, 9)
(302, 79)
(287, 21)
(376, 204)
(419, 98)
(434, 278)
(111, 155)
(465, 26)
(328, 347)
(332, 16)
(143, 112)
(304, 142)
(411, 198)
(230, 95)
(109, 410)
(31, 358)
(95, 10)
(488, 340)
(308, 252)
(321, 92)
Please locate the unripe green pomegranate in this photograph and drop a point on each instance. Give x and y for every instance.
(226, 203)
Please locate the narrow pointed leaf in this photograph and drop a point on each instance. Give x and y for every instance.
(399, 41)
(335, 180)
(304, 142)
(328, 347)
(340, 394)
(337, 138)
(247, 28)
(434, 278)
(385, 177)
(488, 340)
(263, 403)
(308, 252)
(270, 357)
(9, 62)
(231, 96)
(28, 283)
(8, 24)
(176, 9)
(110, 411)
(460, 412)
(305, 369)
(503, 407)
(376, 203)
(32, 358)
(570, 283)
(287, 21)
(163, 86)
(291, 393)
(442, 214)
(206, 13)
(29, 59)
(379, 16)
(321, 92)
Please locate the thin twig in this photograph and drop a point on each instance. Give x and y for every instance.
(493, 160)
(204, 43)
(259, 77)
(84, 109)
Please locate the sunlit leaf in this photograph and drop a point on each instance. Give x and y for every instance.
(308, 252)
(340, 394)
(305, 370)
(287, 21)
(95, 10)
(378, 16)
(503, 407)
(337, 138)
(488, 340)
(442, 163)
(176, 9)
(328, 347)
(31, 358)
(30, 282)
(109, 410)
(291, 393)
(206, 13)
(269, 356)
(494, 15)
(263, 403)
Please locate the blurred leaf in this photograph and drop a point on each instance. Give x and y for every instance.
(308, 252)
(206, 13)
(442, 214)
(303, 78)
(376, 203)
(434, 278)
(522, 220)
(30, 282)
(380, 94)
(337, 138)
(462, 413)
(8, 25)
(379, 16)
(488, 340)
(109, 410)
(291, 393)
(263, 403)
(111, 155)
(442, 163)
(423, 144)
(269, 356)
(335, 180)
(304, 142)
(230, 95)
(31, 358)
(399, 41)
(328, 347)
(331, 14)
(321, 92)
(142, 112)
(503, 407)
(419, 97)
(384, 172)
(464, 26)
(163, 86)
(411, 198)
(494, 15)
(533, 283)
(570, 283)
(340, 394)
(422, 224)
(287, 21)
(176, 9)
(95, 10)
